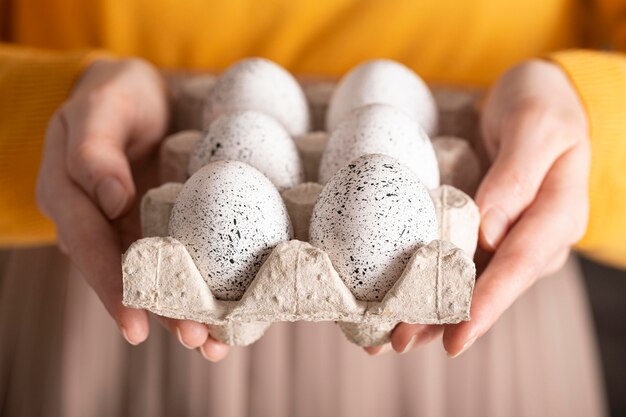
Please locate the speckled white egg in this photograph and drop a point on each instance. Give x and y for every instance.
(261, 85)
(370, 218)
(383, 81)
(380, 128)
(253, 138)
(229, 216)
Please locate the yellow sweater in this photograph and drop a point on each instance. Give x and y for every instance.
(47, 44)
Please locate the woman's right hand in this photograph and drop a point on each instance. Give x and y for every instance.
(98, 157)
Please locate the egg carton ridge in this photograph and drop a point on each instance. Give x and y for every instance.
(297, 282)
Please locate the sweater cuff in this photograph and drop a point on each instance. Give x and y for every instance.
(33, 84)
(600, 80)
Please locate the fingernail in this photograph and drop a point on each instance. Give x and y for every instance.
(112, 197)
(125, 334)
(206, 356)
(493, 225)
(180, 339)
(386, 348)
(409, 345)
(466, 346)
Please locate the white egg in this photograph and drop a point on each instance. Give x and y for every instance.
(380, 128)
(229, 216)
(370, 218)
(383, 81)
(261, 85)
(253, 138)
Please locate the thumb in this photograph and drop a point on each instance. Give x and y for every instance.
(96, 157)
(525, 156)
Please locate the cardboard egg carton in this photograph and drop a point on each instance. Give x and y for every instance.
(297, 282)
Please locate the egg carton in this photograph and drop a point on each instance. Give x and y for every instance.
(297, 282)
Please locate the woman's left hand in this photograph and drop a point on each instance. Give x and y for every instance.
(533, 201)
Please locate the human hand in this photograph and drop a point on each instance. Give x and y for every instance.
(533, 200)
(98, 155)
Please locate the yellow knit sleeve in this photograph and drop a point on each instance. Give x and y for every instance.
(600, 79)
(33, 83)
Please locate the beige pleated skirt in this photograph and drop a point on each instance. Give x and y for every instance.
(61, 355)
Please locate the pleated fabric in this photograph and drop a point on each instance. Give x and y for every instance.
(62, 355)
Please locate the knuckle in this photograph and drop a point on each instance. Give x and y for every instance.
(104, 95)
(99, 95)
(111, 95)
(77, 155)
(529, 111)
(545, 121)
(519, 188)
(78, 160)
(533, 107)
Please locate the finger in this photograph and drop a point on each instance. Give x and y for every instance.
(405, 334)
(88, 237)
(554, 221)
(408, 336)
(428, 335)
(433, 332)
(96, 158)
(213, 350)
(190, 334)
(529, 146)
